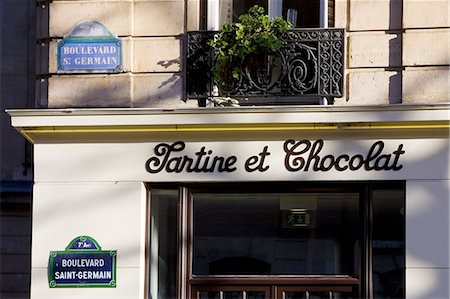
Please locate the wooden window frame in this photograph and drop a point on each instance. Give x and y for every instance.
(189, 282)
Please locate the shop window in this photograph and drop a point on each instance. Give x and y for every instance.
(302, 14)
(277, 240)
(388, 243)
(163, 260)
(275, 233)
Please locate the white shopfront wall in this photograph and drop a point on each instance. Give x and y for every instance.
(91, 167)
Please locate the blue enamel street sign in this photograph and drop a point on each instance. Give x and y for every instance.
(89, 48)
(82, 264)
(90, 55)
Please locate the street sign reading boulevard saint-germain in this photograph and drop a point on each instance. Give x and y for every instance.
(89, 48)
(82, 264)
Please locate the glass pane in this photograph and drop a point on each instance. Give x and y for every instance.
(275, 233)
(255, 295)
(229, 10)
(241, 7)
(163, 243)
(317, 295)
(294, 295)
(330, 295)
(388, 243)
(304, 14)
(232, 295)
(306, 11)
(339, 295)
(321, 295)
(208, 295)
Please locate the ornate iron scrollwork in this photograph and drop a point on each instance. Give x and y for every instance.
(310, 64)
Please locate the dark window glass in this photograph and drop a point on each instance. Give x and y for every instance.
(275, 233)
(242, 6)
(388, 243)
(163, 243)
(308, 12)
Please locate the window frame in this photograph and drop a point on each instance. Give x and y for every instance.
(364, 283)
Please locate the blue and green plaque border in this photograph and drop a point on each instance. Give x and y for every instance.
(80, 250)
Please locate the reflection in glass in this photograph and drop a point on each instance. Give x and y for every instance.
(163, 243)
(294, 295)
(388, 245)
(232, 295)
(208, 295)
(255, 295)
(250, 234)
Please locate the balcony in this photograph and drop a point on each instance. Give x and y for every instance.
(308, 67)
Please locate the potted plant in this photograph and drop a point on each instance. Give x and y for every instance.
(249, 42)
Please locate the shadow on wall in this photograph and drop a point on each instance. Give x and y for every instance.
(427, 239)
(167, 63)
(395, 52)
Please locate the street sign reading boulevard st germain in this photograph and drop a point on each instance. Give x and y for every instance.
(82, 264)
(89, 48)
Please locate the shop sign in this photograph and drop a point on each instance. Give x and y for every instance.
(298, 156)
(89, 48)
(82, 264)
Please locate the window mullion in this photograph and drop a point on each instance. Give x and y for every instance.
(183, 245)
(366, 248)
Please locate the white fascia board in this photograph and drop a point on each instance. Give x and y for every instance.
(29, 118)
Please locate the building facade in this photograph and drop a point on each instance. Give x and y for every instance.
(17, 77)
(332, 184)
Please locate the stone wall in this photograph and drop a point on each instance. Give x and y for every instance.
(397, 52)
(151, 33)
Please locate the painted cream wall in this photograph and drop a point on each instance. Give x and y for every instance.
(124, 162)
(427, 239)
(89, 189)
(113, 213)
(89, 168)
(396, 52)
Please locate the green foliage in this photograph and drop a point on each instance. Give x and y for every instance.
(254, 34)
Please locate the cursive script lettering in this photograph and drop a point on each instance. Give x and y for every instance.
(166, 159)
(303, 155)
(257, 161)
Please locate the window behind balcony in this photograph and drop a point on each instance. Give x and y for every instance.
(302, 14)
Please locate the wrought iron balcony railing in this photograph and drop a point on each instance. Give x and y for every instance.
(311, 64)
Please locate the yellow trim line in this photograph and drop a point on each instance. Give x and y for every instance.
(238, 127)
